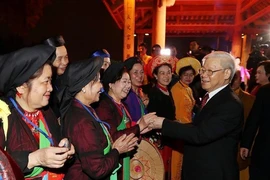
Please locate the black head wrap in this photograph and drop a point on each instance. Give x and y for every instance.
(110, 74)
(76, 76)
(17, 67)
(129, 63)
(55, 41)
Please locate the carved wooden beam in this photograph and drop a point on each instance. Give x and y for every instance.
(256, 16)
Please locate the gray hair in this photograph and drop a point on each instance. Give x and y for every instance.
(227, 61)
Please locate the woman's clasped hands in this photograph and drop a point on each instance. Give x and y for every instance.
(125, 143)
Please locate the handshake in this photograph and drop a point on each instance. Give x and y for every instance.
(126, 143)
(150, 121)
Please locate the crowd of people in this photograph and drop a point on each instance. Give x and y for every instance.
(84, 120)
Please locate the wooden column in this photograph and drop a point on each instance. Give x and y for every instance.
(129, 26)
(159, 23)
(236, 44)
(237, 40)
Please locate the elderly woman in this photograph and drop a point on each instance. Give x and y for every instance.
(135, 100)
(32, 132)
(187, 68)
(97, 154)
(160, 101)
(117, 85)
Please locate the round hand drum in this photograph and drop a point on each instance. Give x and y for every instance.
(147, 163)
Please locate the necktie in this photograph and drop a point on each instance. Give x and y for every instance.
(204, 100)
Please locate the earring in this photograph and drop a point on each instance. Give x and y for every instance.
(19, 94)
(83, 90)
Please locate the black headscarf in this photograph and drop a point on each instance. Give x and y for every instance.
(110, 74)
(76, 76)
(129, 63)
(17, 67)
(55, 41)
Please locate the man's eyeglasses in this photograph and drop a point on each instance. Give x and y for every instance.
(209, 72)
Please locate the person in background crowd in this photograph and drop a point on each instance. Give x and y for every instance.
(216, 128)
(243, 72)
(97, 155)
(143, 50)
(187, 68)
(252, 63)
(257, 128)
(32, 134)
(262, 76)
(193, 47)
(145, 59)
(61, 60)
(155, 50)
(106, 58)
(247, 100)
(59, 65)
(198, 52)
(173, 53)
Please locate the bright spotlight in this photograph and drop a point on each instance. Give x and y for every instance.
(166, 52)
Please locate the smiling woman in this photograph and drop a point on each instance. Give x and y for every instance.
(133, 101)
(97, 154)
(117, 84)
(184, 102)
(161, 102)
(32, 131)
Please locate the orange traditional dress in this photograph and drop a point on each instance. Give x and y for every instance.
(184, 103)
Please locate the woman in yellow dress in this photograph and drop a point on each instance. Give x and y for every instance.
(187, 68)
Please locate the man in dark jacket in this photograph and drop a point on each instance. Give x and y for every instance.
(211, 141)
(258, 123)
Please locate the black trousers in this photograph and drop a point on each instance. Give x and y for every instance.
(256, 173)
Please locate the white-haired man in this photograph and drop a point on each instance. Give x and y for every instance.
(211, 141)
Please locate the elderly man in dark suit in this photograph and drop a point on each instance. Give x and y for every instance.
(211, 141)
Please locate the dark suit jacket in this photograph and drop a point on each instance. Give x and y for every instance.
(259, 118)
(211, 142)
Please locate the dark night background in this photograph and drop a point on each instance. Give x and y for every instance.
(86, 26)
